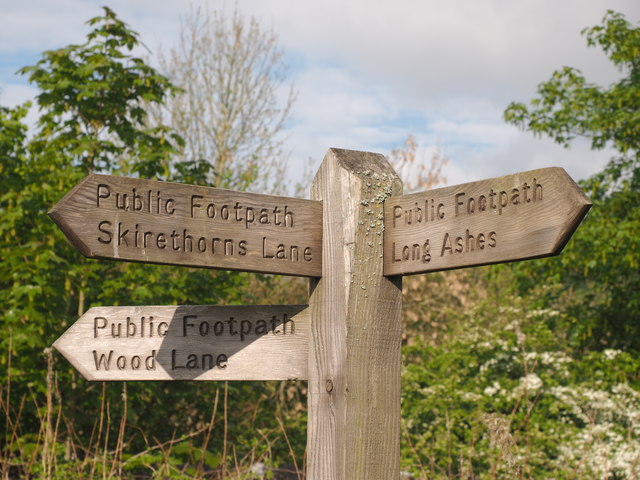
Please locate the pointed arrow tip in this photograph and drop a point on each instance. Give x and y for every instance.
(577, 210)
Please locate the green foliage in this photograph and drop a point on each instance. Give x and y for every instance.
(92, 118)
(92, 98)
(522, 371)
(541, 379)
(506, 399)
(568, 105)
(599, 268)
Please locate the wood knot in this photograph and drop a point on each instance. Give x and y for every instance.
(329, 386)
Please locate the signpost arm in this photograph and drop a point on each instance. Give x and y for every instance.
(355, 338)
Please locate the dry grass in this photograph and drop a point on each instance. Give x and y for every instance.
(58, 452)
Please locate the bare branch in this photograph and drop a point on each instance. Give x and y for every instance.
(230, 113)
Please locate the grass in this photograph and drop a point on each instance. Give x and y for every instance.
(58, 451)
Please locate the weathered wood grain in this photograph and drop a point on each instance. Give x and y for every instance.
(203, 342)
(158, 222)
(354, 350)
(526, 215)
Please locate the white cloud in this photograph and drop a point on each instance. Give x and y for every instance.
(370, 72)
(519, 152)
(452, 47)
(15, 94)
(37, 25)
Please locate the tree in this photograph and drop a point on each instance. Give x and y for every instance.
(94, 105)
(569, 106)
(92, 119)
(540, 376)
(229, 112)
(504, 398)
(92, 101)
(600, 266)
(411, 167)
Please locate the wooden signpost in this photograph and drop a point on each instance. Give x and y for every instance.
(356, 239)
(202, 342)
(158, 222)
(525, 215)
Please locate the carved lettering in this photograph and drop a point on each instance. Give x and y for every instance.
(111, 360)
(239, 213)
(179, 241)
(193, 361)
(243, 328)
(468, 242)
(418, 213)
(282, 251)
(497, 200)
(142, 327)
(151, 201)
(415, 252)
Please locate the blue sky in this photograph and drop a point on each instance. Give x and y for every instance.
(369, 72)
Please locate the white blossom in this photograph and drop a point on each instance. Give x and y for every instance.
(492, 389)
(531, 382)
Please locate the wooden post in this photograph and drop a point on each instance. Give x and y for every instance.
(355, 337)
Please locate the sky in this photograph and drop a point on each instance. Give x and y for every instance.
(369, 73)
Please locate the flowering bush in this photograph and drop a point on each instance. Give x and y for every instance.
(506, 399)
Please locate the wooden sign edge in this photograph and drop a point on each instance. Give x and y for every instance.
(59, 219)
(79, 366)
(580, 207)
(316, 273)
